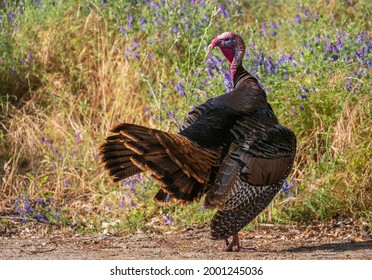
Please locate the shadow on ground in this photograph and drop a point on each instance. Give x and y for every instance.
(334, 247)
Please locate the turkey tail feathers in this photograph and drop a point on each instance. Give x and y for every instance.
(178, 165)
(117, 158)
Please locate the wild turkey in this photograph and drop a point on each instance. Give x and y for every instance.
(231, 149)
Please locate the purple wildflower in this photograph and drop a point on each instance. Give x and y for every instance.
(27, 206)
(40, 201)
(261, 57)
(170, 114)
(122, 201)
(146, 111)
(154, 6)
(304, 89)
(286, 187)
(334, 57)
(151, 56)
(78, 137)
(358, 55)
(142, 22)
(302, 96)
(297, 19)
(360, 37)
(127, 53)
(135, 55)
(270, 65)
(273, 27)
(131, 20)
(11, 16)
(209, 72)
(334, 48)
(315, 16)
(136, 42)
(282, 58)
(22, 216)
(180, 89)
(347, 88)
(264, 28)
(168, 219)
(227, 80)
(224, 11)
(131, 184)
(16, 204)
(347, 59)
(41, 218)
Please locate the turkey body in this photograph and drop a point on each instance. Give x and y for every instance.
(231, 149)
(256, 156)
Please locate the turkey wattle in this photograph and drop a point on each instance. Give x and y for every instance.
(231, 149)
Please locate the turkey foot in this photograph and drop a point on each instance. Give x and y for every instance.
(234, 245)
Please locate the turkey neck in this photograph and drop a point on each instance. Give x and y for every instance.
(237, 71)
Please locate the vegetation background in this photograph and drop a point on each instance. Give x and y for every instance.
(70, 70)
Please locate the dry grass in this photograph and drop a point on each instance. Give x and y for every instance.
(338, 180)
(351, 145)
(108, 93)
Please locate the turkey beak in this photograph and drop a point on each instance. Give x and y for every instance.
(210, 48)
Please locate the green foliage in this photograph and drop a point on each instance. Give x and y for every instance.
(72, 69)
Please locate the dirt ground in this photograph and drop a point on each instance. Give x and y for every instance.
(337, 240)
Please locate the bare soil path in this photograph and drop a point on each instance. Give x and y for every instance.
(331, 241)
